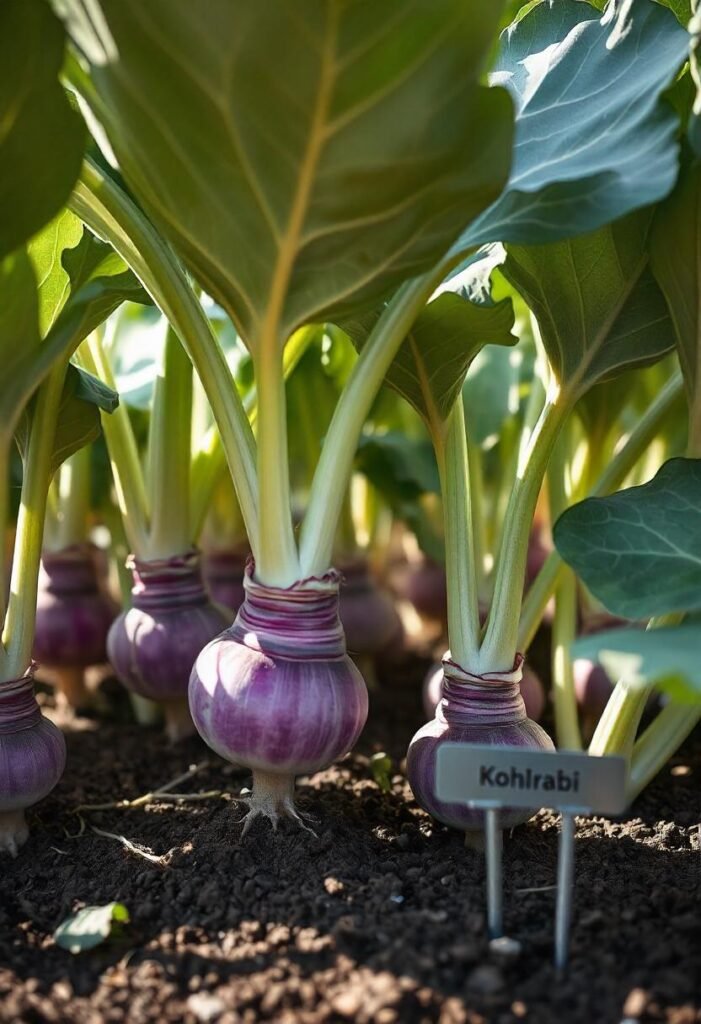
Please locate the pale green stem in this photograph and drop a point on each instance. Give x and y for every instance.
(169, 454)
(661, 739)
(336, 463)
(614, 474)
(73, 508)
(479, 532)
(565, 620)
(106, 210)
(347, 546)
(277, 561)
(536, 600)
(564, 632)
(123, 453)
(18, 633)
(618, 725)
(461, 574)
(499, 648)
(209, 461)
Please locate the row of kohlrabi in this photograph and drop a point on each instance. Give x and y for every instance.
(344, 171)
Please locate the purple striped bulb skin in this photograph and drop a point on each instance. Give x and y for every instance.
(153, 645)
(223, 573)
(531, 690)
(486, 709)
(370, 621)
(32, 759)
(277, 692)
(73, 613)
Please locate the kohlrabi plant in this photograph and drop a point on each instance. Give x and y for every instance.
(290, 206)
(371, 173)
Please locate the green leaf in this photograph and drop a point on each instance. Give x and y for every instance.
(668, 658)
(78, 420)
(639, 550)
(430, 367)
(401, 468)
(19, 313)
(488, 392)
(675, 259)
(381, 768)
(303, 156)
(680, 8)
(46, 251)
(90, 927)
(85, 284)
(599, 309)
(593, 139)
(41, 136)
(404, 472)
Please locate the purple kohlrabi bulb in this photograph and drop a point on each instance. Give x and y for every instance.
(480, 709)
(73, 613)
(73, 617)
(277, 692)
(152, 646)
(32, 758)
(426, 588)
(368, 616)
(223, 574)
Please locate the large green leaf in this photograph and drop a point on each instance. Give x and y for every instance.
(668, 658)
(303, 156)
(597, 304)
(78, 421)
(41, 136)
(639, 551)
(593, 139)
(675, 258)
(430, 367)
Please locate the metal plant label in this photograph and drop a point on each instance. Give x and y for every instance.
(530, 778)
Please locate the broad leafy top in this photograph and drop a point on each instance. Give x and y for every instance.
(304, 156)
(639, 551)
(593, 140)
(597, 304)
(41, 136)
(430, 367)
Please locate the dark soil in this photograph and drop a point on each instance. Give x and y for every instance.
(379, 917)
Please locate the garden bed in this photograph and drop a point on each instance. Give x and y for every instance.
(377, 917)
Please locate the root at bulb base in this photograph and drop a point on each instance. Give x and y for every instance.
(14, 831)
(273, 797)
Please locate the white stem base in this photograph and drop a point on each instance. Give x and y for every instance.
(273, 798)
(178, 721)
(14, 831)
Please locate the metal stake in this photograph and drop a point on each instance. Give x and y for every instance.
(495, 883)
(565, 876)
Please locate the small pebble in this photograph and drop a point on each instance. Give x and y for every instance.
(206, 1008)
(505, 948)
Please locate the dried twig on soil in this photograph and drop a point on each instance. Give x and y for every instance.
(163, 793)
(136, 848)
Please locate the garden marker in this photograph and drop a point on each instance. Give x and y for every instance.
(492, 778)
